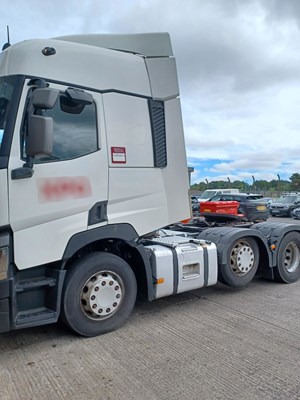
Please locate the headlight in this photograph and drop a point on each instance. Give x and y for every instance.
(3, 263)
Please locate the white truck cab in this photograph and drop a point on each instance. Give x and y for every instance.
(92, 167)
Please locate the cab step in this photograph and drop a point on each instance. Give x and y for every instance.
(36, 316)
(34, 283)
(37, 298)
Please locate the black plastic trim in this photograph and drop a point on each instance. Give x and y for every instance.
(98, 213)
(4, 289)
(206, 268)
(158, 127)
(175, 270)
(148, 270)
(223, 236)
(275, 232)
(21, 173)
(4, 315)
(114, 231)
(10, 126)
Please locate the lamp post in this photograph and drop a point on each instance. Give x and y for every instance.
(253, 182)
(229, 183)
(279, 183)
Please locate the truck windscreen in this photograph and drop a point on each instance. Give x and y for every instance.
(10, 91)
(6, 93)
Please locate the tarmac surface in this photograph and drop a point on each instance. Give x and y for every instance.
(212, 343)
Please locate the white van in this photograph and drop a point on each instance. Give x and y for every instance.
(209, 193)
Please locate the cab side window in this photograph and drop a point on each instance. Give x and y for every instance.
(75, 130)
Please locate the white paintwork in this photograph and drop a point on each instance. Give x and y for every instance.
(46, 242)
(163, 78)
(175, 175)
(148, 198)
(78, 64)
(128, 125)
(43, 229)
(138, 194)
(157, 44)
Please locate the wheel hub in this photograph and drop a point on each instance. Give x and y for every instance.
(241, 258)
(101, 295)
(291, 257)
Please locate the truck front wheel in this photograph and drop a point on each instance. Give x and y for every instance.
(99, 294)
(242, 263)
(288, 259)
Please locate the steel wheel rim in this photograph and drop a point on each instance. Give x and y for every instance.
(242, 258)
(102, 295)
(291, 257)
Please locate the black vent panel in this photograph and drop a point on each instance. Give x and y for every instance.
(158, 126)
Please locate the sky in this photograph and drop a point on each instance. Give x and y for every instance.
(238, 65)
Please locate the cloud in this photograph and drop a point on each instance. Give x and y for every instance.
(237, 65)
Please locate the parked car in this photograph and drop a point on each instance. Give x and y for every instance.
(195, 204)
(254, 196)
(253, 210)
(296, 213)
(209, 193)
(285, 205)
(268, 200)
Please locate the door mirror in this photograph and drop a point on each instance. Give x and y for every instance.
(44, 98)
(79, 96)
(40, 136)
(75, 100)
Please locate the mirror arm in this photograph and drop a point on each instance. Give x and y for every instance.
(29, 162)
(23, 172)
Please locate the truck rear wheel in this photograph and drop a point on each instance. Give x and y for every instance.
(242, 263)
(288, 259)
(99, 294)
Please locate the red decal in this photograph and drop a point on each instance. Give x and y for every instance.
(118, 155)
(57, 189)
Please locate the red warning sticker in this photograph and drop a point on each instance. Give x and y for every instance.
(118, 155)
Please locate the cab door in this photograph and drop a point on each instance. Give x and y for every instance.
(52, 205)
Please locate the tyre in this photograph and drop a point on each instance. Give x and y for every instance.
(290, 214)
(242, 263)
(288, 259)
(99, 294)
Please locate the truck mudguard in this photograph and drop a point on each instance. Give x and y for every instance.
(115, 231)
(223, 237)
(124, 232)
(275, 232)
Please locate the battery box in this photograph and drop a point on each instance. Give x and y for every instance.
(180, 264)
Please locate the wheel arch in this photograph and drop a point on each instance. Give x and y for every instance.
(223, 236)
(275, 232)
(118, 239)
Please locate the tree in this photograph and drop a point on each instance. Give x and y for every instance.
(295, 182)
